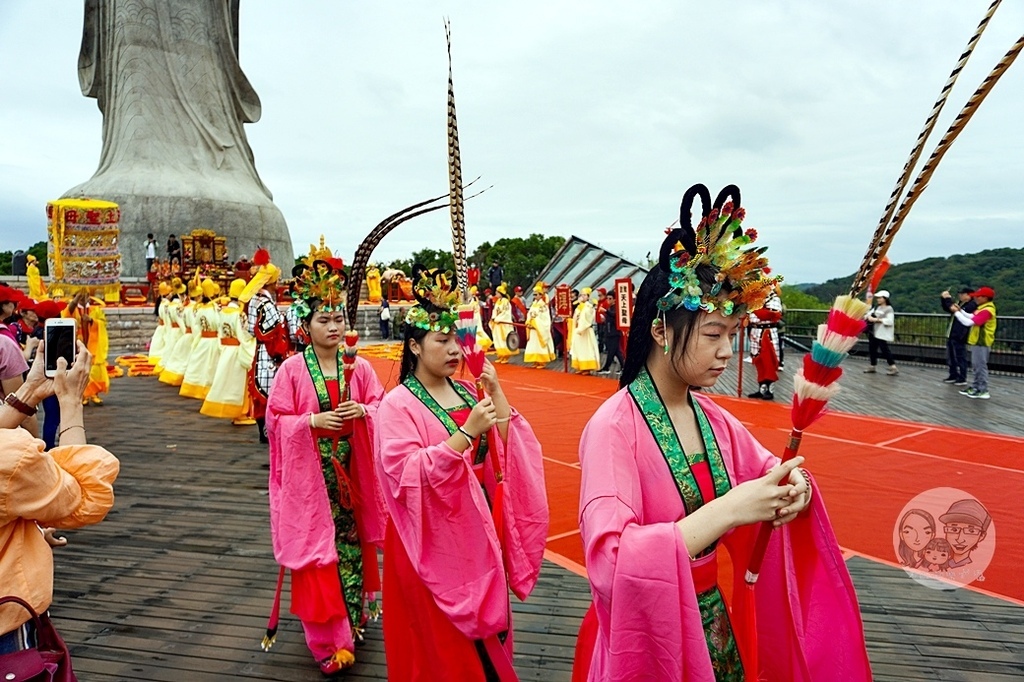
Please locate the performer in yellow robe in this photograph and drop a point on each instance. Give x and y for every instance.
(228, 397)
(158, 344)
(92, 331)
(583, 350)
(36, 290)
(501, 324)
(202, 361)
(482, 339)
(373, 283)
(176, 362)
(170, 313)
(540, 348)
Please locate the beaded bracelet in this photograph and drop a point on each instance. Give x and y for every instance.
(68, 428)
(807, 479)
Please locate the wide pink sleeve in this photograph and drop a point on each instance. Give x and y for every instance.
(301, 527)
(371, 516)
(440, 514)
(525, 512)
(640, 576)
(809, 624)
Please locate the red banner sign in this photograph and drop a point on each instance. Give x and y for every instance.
(623, 303)
(563, 300)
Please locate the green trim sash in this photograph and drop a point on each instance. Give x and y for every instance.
(319, 381)
(421, 392)
(648, 401)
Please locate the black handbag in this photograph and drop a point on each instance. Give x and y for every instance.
(49, 661)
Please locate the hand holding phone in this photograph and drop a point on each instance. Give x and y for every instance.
(60, 335)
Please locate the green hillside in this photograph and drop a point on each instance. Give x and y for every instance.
(915, 287)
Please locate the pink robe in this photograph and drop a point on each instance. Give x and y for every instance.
(301, 526)
(649, 624)
(443, 521)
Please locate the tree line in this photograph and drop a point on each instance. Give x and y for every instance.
(915, 287)
(522, 259)
(38, 250)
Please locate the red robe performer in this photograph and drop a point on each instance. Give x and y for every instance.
(764, 346)
(270, 329)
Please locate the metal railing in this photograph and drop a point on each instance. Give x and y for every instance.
(920, 337)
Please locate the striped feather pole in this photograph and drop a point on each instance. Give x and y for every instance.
(455, 198)
(869, 263)
(921, 181)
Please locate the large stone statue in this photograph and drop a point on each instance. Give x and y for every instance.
(166, 76)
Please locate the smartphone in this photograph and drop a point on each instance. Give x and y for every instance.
(59, 342)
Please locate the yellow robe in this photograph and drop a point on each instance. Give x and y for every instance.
(540, 348)
(92, 331)
(202, 361)
(373, 284)
(583, 349)
(158, 344)
(170, 314)
(501, 327)
(176, 362)
(35, 283)
(482, 339)
(229, 392)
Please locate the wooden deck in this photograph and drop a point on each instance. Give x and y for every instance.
(176, 584)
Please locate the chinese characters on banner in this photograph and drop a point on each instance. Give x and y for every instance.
(563, 301)
(623, 303)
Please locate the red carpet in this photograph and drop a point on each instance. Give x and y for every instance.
(868, 468)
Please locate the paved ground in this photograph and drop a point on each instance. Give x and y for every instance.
(176, 584)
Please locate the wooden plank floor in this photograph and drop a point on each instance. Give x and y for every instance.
(176, 584)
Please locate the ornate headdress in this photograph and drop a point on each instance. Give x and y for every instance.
(437, 295)
(719, 241)
(319, 279)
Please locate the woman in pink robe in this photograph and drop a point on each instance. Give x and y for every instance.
(668, 477)
(457, 540)
(327, 514)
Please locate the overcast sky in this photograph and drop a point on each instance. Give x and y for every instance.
(588, 118)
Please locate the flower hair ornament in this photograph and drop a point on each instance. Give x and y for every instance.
(437, 298)
(318, 280)
(719, 241)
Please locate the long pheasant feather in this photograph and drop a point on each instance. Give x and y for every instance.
(455, 199)
(868, 266)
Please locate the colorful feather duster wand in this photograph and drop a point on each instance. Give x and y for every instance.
(813, 386)
(816, 383)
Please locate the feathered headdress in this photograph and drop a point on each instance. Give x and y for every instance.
(741, 272)
(263, 273)
(437, 296)
(319, 280)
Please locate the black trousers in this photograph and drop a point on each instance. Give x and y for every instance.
(877, 347)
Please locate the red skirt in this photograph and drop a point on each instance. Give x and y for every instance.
(316, 594)
(420, 642)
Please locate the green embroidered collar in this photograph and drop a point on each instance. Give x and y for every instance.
(648, 401)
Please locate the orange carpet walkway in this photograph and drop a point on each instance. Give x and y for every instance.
(868, 468)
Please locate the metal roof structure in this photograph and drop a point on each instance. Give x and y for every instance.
(582, 264)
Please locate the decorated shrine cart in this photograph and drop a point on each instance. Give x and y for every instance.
(206, 252)
(82, 247)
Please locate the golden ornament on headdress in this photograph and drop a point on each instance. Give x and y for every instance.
(322, 253)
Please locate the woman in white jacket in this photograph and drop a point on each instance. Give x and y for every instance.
(881, 317)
